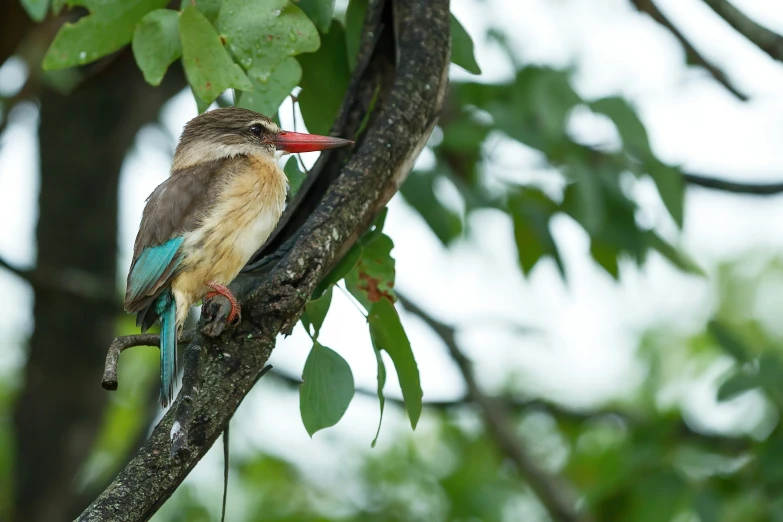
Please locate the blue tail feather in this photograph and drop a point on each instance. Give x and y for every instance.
(166, 308)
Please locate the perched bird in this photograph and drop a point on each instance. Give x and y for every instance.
(223, 198)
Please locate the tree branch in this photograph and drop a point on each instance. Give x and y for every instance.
(692, 55)
(736, 187)
(409, 65)
(766, 40)
(550, 489)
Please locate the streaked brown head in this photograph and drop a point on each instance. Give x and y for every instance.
(232, 131)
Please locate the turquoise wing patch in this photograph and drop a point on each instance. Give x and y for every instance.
(150, 265)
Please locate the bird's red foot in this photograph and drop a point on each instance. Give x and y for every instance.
(235, 315)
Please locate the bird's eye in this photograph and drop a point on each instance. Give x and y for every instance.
(256, 129)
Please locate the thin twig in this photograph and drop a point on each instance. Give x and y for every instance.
(691, 53)
(752, 189)
(766, 40)
(550, 489)
(124, 342)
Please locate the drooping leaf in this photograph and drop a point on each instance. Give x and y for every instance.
(327, 389)
(319, 11)
(628, 124)
(208, 66)
(108, 28)
(295, 176)
(737, 384)
(266, 97)
(381, 384)
(583, 199)
(728, 341)
(263, 34)
(354, 21)
(462, 48)
(606, 257)
(372, 279)
(315, 312)
(209, 8)
(677, 257)
(324, 81)
(671, 187)
(534, 109)
(419, 192)
(531, 211)
(156, 44)
(388, 334)
(36, 9)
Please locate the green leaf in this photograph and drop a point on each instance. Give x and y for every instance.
(376, 229)
(316, 310)
(343, 267)
(58, 5)
(419, 192)
(319, 11)
(629, 126)
(462, 48)
(728, 341)
(107, 29)
(324, 81)
(671, 187)
(381, 384)
(372, 279)
(675, 256)
(737, 384)
(531, 211)
(606, 257)
(388, 334)
(201, 105)
(209, 8)
(263, 34)
(657, 496)
(583, 200)
(156, 44)
(294, 175)
(707, 505)
(354, 21)
(327, 389)
(266, 97)
(208, 66)
(36, 9)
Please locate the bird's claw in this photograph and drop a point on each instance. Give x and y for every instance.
(219, 313)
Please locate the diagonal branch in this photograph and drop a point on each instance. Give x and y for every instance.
(692, 55)
(766, 40)
(551, 490)
(409, 66)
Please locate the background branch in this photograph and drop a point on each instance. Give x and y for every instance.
(754, 189)
(766, 40)
(692, 55)
(550, 489)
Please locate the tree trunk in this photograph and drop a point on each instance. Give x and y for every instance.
(84, 138)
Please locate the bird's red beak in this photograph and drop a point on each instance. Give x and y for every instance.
(294, 142)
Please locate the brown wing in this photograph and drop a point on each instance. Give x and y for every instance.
(174, 208)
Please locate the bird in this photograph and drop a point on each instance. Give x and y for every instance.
(223, 198)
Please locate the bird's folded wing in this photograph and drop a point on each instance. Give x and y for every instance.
(174, 208)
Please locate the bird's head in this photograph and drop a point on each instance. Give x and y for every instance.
(231, 131)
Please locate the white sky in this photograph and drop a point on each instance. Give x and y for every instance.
(590, 328)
